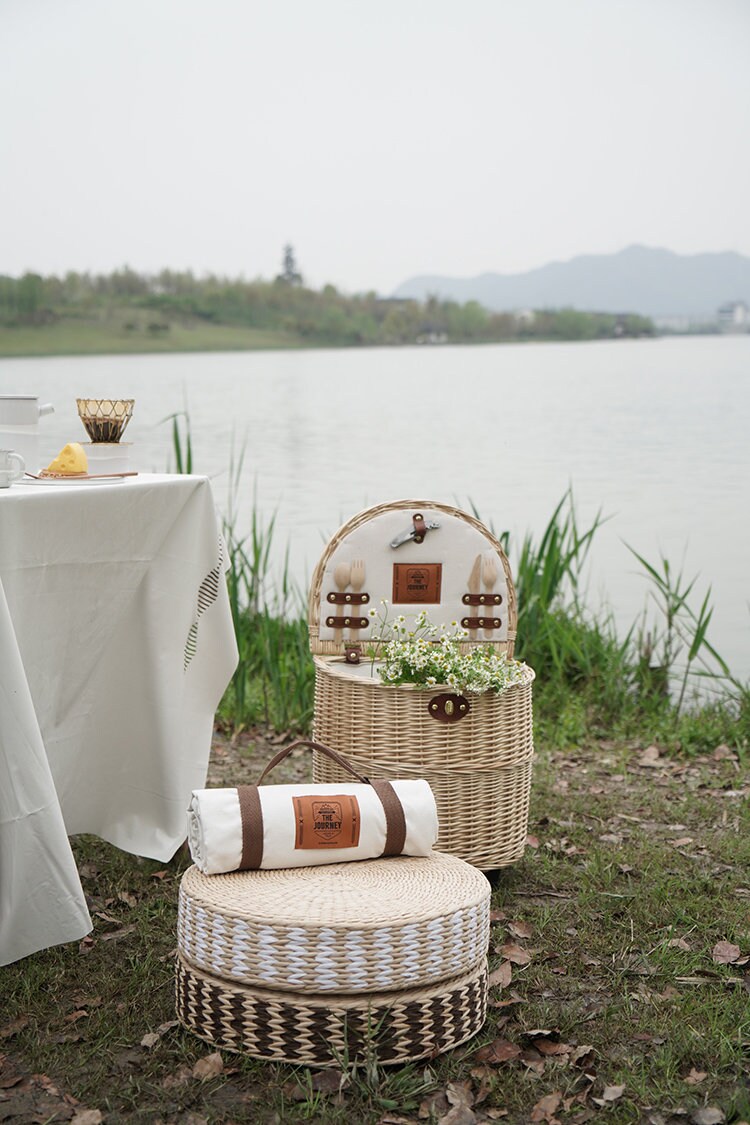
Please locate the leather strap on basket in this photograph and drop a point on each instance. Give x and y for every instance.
(251, 812)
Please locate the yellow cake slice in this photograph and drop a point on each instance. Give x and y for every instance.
(71, 461)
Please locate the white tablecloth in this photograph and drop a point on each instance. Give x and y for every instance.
(116, 645)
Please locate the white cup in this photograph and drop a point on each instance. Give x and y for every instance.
(7, 472)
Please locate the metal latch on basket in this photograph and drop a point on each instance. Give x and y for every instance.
(448, 708)
(416, 533)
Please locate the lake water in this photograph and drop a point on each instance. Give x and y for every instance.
(654, 433)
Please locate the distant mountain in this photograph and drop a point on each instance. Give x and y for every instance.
(639, 279)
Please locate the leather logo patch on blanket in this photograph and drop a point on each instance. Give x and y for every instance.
(326, 822)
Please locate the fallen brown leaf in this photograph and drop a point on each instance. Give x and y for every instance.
(7, 1081)
(181, 1077)
(72, 1017)
(87, 1117)
(545, 1108)
(499, 1051)
(514, 953)
(649, 757)
(708, 1115)
(328, 1081)
(678, 943)
(582, 1055)
(47, 1084)
(210, 1066)
(548, 1047)
(514, 998)
(532, 1059)
(459, 1093)
(695, 1077)
(681, 842)
(724, 953)
(14, 1027)
(113, 935)
(151, 1038)
(502, 976)
(532, 842)
(521, 929)
(611, 1093)
(435, 1105)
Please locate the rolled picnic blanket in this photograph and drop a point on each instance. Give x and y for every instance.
(274, 826)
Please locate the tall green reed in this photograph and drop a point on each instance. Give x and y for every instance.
(274, 676)
(590, 681)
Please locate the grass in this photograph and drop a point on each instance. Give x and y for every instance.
(590, 681)
(637, 867)
(110, 336)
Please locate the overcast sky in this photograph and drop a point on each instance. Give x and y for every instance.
(380, 139)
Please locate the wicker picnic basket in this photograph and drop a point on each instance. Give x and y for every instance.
(316, 964)
(475, 751)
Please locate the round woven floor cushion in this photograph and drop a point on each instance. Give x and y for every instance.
(370, 926)
(329, 1030)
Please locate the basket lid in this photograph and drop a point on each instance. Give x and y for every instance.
(416, 555)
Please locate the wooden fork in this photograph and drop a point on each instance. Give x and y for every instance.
(357, 581)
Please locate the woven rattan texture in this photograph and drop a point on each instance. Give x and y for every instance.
(396, 1027)
(332, 648)
(371, 926)
(479, 769)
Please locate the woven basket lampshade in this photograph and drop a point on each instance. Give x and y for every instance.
(105, 419)
(311, 965)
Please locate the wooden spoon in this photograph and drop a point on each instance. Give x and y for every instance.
(341, 576)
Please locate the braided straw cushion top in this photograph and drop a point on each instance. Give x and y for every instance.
(375, 925)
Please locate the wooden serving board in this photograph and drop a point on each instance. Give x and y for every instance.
(79, 476)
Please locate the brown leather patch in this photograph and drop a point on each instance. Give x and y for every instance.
(417, 582)
(326, 822)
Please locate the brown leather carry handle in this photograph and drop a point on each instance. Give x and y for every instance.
(333, 754)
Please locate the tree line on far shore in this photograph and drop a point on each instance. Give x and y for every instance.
(135, 302)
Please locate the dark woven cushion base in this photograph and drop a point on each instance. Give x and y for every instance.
(326, 1030)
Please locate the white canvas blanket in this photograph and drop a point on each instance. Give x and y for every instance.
(306, 825)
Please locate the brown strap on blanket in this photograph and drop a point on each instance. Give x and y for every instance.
(339, 759)
(251, 811)
(395, 821)
(251, 814)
